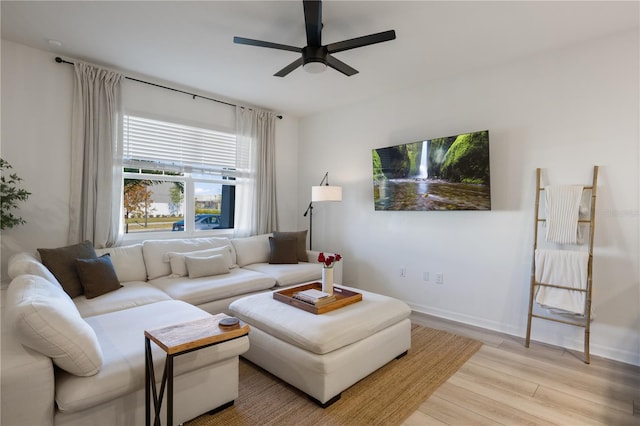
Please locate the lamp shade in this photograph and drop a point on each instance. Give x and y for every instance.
(326, 193)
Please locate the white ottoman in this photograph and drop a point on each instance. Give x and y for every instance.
(322, 355)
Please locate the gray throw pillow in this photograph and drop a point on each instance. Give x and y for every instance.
(62, 264)
(97, 276)
(283, 250)
(301, 238)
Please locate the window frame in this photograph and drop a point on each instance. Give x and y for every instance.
(189, 180)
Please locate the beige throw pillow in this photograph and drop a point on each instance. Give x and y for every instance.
(206, 266)
(179, 266)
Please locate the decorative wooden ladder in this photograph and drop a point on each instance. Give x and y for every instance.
(586, 322)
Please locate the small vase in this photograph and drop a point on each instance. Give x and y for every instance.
(327, 280)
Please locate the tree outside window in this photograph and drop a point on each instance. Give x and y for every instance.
(137, 200)
(176, 198)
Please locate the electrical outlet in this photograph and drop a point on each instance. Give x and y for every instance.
(425, 276)
(439, 278)
(403, 272)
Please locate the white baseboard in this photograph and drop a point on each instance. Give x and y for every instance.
(466, 319)
(564, 341)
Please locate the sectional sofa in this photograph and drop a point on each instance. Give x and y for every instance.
(80, 360)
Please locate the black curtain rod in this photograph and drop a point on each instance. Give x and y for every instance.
(62, 61)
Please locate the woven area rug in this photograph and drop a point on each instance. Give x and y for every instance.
(386, 397)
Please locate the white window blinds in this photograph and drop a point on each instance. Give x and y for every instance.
(177, 148)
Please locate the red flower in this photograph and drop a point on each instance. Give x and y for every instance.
(329, 260)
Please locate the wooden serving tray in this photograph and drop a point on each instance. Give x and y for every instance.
(343, 296)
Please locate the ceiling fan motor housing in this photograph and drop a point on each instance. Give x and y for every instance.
(314, 54)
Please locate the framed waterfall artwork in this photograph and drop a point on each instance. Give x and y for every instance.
(449, 173)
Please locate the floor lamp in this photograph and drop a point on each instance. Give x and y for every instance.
(322, 192)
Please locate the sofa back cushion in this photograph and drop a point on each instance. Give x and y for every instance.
(44, 318)
(26, 263)
(127, 262)
(250, 250)
(155, 252)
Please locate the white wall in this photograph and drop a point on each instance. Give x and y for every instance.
(35, 134)
(564, 111)
(35, 137)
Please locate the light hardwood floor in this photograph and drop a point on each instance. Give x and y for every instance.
(505, 383)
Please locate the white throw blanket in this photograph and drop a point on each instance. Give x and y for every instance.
(563, 209)
(566, 268)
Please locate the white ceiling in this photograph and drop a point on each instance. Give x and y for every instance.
(190, 43)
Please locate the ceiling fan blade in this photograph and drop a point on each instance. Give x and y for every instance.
(338, 65)
(361, 41)
(286, 70)
(260, 43)
(313, 22)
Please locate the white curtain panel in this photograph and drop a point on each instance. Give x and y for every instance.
(96, 158)
(255, 183)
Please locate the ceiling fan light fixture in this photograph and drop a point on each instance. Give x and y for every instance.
(315, 67)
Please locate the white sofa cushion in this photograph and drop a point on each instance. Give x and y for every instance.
(27, 381)
(203, 290)
(250, 250)
(44, 318)
(206, 266)
(127, 262)
(324, 333)
(132, 294)
(121, 335)
(155, 252)
(26, 263)
(289, 274)
(178, 263)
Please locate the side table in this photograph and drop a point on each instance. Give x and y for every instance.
(176, 340)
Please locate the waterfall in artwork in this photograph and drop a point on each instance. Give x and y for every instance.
(424, 172)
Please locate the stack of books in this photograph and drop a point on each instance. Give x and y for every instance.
(314, 297)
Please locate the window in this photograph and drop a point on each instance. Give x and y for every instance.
(177, 178)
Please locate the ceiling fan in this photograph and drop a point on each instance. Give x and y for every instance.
(314, 56)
